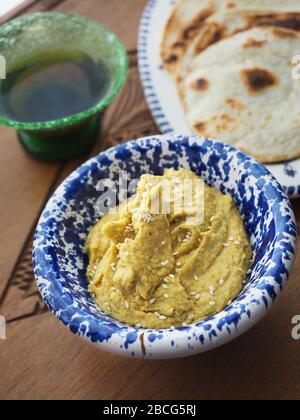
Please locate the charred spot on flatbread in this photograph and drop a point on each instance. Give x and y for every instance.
(200, 84)
(178, 44)
(235, 104)
(291, 22)
(172, 58)
(280, 20)
(224, 122)
(200, 127)
(258, 79)
(231, 5)
(211, 33)
(226, 117)
(254, 43)
(284, 33)
(188, 32)
(192, 29)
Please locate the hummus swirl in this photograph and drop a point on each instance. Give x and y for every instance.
(159, 270)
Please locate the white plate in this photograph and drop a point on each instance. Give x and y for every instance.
(161, 92)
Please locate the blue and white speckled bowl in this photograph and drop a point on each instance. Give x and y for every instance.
(60, 265)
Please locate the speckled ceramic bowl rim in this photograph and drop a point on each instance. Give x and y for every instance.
(81, 116)
(202, 329)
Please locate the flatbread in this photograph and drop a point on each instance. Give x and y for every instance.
(188, 16)
(185, 19)
(241, 91)
(225, 24)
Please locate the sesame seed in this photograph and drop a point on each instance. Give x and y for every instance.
(162, 317)
(166, 296)
(237, 243)
(184, 324)
(187, 238)
(229, 302)
(230, 238)
(212, 219)
(175, 253)
(126, 254)
(211, 290)
(152, 300)
(114, 289)
(225, 244)
(165, 286)
(163, 243)
(178, 263)
(249, 271)
(126, 305)
(157, 314)
(148, 218)
(212, 303)
(172, 327)
(163, 263)
(172, 276)
(222, 282)
(190, 317)
(198, 296)
(196, 277)
(193, 293)
(138, 326)
(245, 282)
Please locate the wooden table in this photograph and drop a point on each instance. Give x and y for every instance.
(40, 359)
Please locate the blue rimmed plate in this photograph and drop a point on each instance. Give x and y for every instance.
(60, 266)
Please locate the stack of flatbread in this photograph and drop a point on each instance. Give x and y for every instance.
(232, 61)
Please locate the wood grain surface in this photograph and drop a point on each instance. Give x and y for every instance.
(40, 359)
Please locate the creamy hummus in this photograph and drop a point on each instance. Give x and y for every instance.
(159, 270)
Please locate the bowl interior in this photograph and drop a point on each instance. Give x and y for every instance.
(31, 37)
(58, 251)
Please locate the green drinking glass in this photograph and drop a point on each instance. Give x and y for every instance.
(62, 70)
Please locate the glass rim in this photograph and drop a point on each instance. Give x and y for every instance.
(89, 112)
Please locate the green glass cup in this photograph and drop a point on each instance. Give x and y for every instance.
(63, 55)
